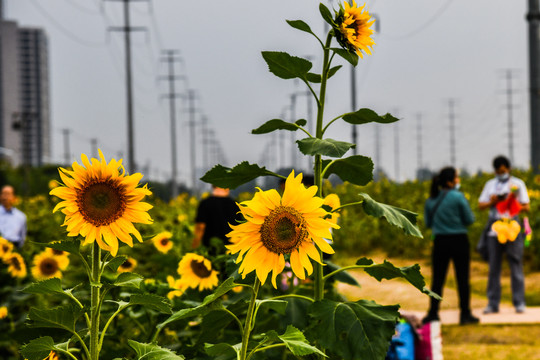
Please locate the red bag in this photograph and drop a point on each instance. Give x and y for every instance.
(428, 345)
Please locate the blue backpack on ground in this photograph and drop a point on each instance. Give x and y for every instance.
(402, 344)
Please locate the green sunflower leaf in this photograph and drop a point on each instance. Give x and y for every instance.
(232, 178)
(364, 116)
(153, 352)
(353, 330)
(205, 306)
(326, 14)
(280, 306)
(325, 147)
(223, 351)
(70, 246)
(316, 78)
(401, 218)
(278, 124)
(294, 340)
(49, 286)
(388, 271)
(356, 169)
(129, 279)
(343, 276)
(300, 25)
(38, 349)
(61, 317)
(151, 301)
(352, 58)
(286, 66)
(115, 262)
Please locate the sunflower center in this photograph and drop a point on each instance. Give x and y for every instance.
(127, 264)
(48, 267)
(5, 248)
(57, 252)
(200, 269)
(164, 242)
(102, 202)
(15, 263)
(283, 230)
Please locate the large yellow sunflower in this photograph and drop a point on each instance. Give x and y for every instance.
(196, 271)
(127, 266)
(353, 28)
(162, 241)
(46, 266)
(101, 203)
(6, 247)
(16, 265)
(276, 226)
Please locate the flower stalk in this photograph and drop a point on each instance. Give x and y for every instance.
(94, 305)
(248, 326)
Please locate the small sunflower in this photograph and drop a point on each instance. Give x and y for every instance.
(178, 286)
(6, 247)
(196, 271)
(101, 203)
(3, 312)
(46, 266)
(61, 257)
(16, 265)
(127, 266)
(162, 241)
(353, 28)
(275, 227)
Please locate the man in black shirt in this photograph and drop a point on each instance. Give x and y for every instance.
(214, 215)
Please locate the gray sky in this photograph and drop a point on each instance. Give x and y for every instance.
(427, 52)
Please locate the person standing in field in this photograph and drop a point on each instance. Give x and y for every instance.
(504, 189)
(12, 220)
(448, 214)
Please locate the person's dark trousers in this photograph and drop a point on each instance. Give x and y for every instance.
(455, 248)
(514, 254)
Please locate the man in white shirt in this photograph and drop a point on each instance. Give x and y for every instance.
(496, 190)
(12, 220)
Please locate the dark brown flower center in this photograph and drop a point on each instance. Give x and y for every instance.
(14, 261)
(5, 248)
(48, 267)
(127, 264)
(200, 269)
(102, 202)
(57, 252)
(164, 242)
(283, 230)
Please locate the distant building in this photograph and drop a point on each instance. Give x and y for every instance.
(25, 130)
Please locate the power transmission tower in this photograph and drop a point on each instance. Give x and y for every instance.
(171, 58)
(94, 147)
(509, 108)
(191, 123)
(293, 133)
(378, 168)
(452, 119)
(127, 29)
(396, 146)
(353, 106)
(67, 152)
(419, 160)
(533, 18)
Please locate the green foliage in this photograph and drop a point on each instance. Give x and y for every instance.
(317, 78)
(61, 317)
(286, 66)
(294, 340)
(326, 14)
(353, 330)
(300, 25)
(351, 57)
(278, 124)
(356, 169)
(365, 116)
(325, 147)
(232, 178)
(153, 352)
(129, 279)
(39, 348)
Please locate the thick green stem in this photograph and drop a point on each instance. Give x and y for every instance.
(318, 271)
(249, 319)
(94, 305)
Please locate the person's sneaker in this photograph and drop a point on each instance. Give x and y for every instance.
(490, 310)
(429, 318)
(520, 309)
(468, 319)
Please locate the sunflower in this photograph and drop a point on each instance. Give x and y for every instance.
(275, 226)
(16, 265)
(196, 271)
(101, 203)
(162, 241)
(129, 265)
(332, 201)
(178, 286)
(46, 266)
(352, 29)
(6, 247)
(3, 312)
(61, 257)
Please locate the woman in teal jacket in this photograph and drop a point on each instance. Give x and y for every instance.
(448, 214)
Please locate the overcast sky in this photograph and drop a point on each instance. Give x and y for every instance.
(427, 52)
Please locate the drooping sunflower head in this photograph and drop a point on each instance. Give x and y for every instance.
(162, 241)
(196, 271)
(127, 266)
(61, 257)
(6, 247)
(46, 266)
(292, 226)
(101, 202)
(353, 28)
(16, 265)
